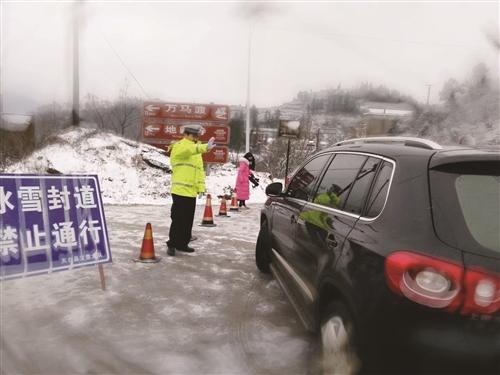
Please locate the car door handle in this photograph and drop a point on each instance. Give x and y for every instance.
(331, 241)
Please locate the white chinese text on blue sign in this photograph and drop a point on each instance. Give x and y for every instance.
(50, 223)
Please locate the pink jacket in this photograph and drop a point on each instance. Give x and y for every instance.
(242, 184)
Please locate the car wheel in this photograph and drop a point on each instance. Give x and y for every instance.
(339, 354)
(263, 250)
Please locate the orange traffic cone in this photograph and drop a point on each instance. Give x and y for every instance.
(148, 248)
(208, 217)
(234, 202)
(223, 208)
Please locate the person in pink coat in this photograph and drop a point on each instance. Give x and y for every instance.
(242, 187)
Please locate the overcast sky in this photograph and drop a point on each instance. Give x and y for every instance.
(198, 52)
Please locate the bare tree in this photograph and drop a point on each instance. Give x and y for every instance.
(121, 116)
(51, 118)
(273, 155)
(125, 112)
(96, 111)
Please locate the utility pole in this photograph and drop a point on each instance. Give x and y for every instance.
(248, 124)
(428, 93)
(75, 113)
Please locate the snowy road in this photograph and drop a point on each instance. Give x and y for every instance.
(207, 312)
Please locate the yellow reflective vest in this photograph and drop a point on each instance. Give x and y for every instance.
(185, 158)
(200, 174)
(317, 217)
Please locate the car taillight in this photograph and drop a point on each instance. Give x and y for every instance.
(482, 293)
(441, 284)
(428, 281)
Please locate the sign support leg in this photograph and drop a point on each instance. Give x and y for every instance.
(102, 277)
(287, 158)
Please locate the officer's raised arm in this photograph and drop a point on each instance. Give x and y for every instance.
(188, 146)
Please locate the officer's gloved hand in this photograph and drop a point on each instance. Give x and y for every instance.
(211, 143)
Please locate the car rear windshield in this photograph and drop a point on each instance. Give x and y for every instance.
(466, 205)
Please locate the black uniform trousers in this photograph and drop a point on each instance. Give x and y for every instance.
(182, 214)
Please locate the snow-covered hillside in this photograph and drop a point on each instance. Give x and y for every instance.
(129, 172)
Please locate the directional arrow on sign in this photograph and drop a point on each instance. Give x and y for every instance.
(151, 129)
(152, 108)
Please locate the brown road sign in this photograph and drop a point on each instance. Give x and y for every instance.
(219, 154)
(164, 129)
(187, 111)
(163, 124)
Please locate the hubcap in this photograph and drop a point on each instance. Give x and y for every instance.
(338, 356)
(334, 336)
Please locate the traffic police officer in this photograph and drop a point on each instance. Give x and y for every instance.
(184, 160)
(200, 181)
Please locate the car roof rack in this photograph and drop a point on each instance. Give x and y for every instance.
(407, 141)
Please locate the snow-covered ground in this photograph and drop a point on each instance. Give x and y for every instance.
(129, 172)
(210, 312)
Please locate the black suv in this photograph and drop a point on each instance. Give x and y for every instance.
(390, 247)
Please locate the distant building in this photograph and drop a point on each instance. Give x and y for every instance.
(15, 122)
(293, 110)
(17, 135)
(262, 136)
(237, 111)
(387, 109)
(380, 118)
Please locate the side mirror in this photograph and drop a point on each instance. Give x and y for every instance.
(274, 189)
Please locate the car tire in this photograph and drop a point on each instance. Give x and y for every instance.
(263, 250)
(338, 341)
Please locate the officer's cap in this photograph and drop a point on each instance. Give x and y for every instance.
(192, 129)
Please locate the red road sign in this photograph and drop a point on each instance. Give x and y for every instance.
(166, 129)
(219, 154)
(187, 111)
(163, 122)
(163, 146)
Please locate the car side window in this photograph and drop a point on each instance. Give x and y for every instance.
(302, 183)
(377, 198)
(338, 180)
(357, 196)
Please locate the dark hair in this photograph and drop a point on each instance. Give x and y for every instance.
(249, 156)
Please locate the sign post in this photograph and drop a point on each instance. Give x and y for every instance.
(287, 159)
(101, 276)
(50, 224)
(289, 129)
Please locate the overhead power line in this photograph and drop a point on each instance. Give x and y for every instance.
(329, 35)
(124, 65)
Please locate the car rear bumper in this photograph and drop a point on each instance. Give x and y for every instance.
(455, 344)
(435, 340)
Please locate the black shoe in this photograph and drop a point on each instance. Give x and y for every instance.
(193, 238)
(171, 251)
(187, 250)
